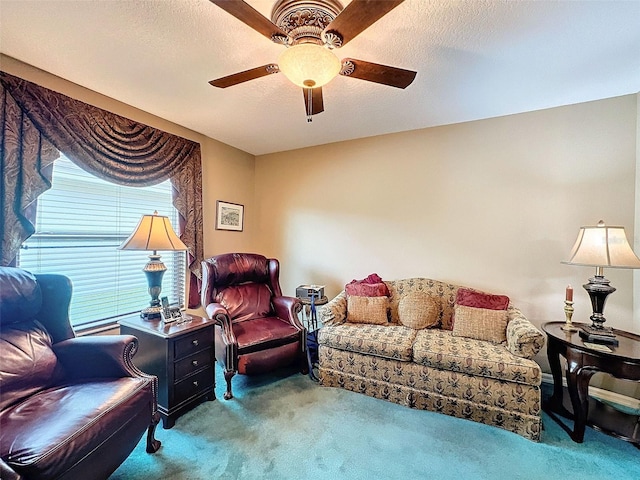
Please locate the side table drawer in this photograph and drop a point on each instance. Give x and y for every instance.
(193, 385)
(192, 343)
(192, 363)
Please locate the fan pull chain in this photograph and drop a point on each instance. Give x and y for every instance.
(309, 105)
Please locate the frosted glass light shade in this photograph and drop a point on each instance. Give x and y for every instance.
(309, 65)
(154, 232)
(603, 246)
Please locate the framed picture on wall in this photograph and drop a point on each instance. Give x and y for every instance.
(229, 216)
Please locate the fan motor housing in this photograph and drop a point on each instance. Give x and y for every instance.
(304, 20)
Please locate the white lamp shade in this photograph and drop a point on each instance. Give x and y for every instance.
(154, 232)
(603, 246)
(309, 65)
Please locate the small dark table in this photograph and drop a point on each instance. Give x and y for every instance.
(582, 363)
(181, 355)
(310, 321)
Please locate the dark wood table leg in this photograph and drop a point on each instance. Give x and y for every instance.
(553, 355)
(578, 385)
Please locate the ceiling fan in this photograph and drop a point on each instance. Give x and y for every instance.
(311, 29)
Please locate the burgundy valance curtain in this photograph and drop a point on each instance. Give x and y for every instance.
(37, 123)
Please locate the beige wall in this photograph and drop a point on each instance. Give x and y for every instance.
(227, 173)
(494, 204)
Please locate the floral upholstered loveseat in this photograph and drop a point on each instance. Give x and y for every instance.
(431, 368)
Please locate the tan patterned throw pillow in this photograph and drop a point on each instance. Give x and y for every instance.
(418, 310)
(367, 309)
(480, 323)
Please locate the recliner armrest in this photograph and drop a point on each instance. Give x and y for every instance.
(523, 338)
(288, 308)
(98, 356)
(216, 312)
(334, 312)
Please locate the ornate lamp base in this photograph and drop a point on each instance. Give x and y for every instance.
(151, 313)
(154, 270)
(598, 289)
(598, 335)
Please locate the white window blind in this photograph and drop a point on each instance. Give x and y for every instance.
(80, 222)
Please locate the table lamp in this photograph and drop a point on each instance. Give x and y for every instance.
(154, 233)
(601, 246)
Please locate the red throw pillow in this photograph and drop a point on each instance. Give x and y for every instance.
(472, 298)
(372, 286)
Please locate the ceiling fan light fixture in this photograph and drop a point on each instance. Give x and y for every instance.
(309, 65)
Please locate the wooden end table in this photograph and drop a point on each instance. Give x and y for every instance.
(181, 355)
(582, 363)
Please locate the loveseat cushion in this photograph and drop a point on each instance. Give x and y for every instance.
(361, 309)
(440, 349)
(27, 361)
(418, 310)
(443, 293)
(480, 323)
(61, 425)
(387, 341)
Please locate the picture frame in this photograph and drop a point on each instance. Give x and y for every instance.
(229, 216)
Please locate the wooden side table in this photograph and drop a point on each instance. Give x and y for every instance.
(181, 355)
(582, 363)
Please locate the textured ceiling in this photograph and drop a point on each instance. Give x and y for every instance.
(475, 59)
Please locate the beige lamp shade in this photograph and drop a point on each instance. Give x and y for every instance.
(603, 246)
(309, 65)
(154, 232)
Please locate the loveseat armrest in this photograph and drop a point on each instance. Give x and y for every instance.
(334, 312)
(98, 356)
(523, 338)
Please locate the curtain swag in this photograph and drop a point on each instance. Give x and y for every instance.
(37, 123)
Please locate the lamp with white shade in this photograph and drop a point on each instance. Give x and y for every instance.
(154, 232)
(601, 246)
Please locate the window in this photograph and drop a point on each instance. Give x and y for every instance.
(80, 223)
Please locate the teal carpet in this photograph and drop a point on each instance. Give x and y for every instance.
(287, 427)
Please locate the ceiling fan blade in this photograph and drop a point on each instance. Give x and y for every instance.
(245, 76)
(250, 16)
(358, 16)
(374, 72)
(313, 102)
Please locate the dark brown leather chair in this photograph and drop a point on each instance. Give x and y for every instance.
(257, 329)
(70, 407)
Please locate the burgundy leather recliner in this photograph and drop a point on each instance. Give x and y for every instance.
(70, 407)
(257, 328)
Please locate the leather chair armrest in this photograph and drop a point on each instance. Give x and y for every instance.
(288, 308)
(98, 356)
(7, 473)
(219, 314)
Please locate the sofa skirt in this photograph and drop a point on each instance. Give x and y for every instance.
(508, 405)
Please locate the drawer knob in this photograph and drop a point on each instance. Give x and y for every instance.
(195, 384)
(195, 343)
(194, 363)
